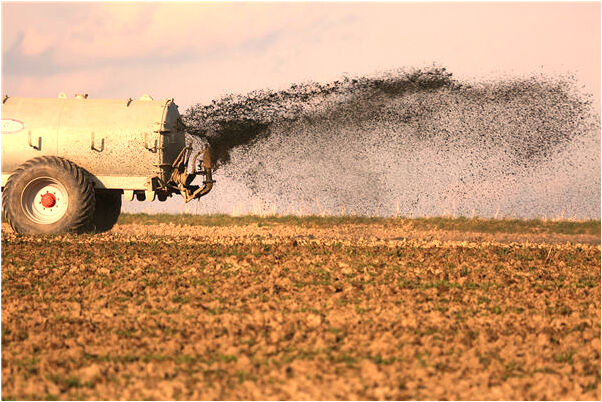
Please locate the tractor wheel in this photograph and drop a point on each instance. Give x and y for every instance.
(48, 195)
(108, 208)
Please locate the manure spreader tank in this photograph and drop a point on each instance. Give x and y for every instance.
(66, 162)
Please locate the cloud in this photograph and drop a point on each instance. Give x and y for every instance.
(195, 51)
(122, 31)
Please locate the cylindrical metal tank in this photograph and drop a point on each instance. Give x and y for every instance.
(123, 143)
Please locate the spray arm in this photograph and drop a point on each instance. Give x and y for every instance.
(182, 179)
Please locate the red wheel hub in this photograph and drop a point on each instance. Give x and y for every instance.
(48, 200)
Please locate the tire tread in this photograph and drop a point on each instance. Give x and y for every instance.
(83, 214)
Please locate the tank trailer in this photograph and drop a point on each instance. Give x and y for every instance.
(67, 162)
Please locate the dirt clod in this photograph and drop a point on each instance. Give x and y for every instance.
(205, 312)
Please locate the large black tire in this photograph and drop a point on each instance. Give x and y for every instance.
(49, 195)
(108, 208)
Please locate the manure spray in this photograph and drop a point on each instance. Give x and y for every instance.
(409, 143)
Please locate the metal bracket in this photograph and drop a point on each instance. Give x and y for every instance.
(39, 146)
(128, 195)
(93, 144)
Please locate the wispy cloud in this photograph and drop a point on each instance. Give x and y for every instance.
(195, 51)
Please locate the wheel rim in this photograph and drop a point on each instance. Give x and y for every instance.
(44, 200)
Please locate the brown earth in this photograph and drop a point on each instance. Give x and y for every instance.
(288, 312)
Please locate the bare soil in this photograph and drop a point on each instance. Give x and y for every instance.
(277, 310)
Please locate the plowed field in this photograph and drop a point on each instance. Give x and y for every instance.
(303, 309)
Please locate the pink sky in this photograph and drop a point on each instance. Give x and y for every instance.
(194, 52)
